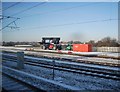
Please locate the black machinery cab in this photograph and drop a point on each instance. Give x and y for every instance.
(51, 43)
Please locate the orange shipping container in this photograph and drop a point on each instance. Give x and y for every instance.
(82, 47)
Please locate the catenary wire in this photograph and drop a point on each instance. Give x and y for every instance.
(68, 24)
(59, 10)
(13, 5)
(28, 9)
(21, 12)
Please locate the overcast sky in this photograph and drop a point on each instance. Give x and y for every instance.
(68, 20)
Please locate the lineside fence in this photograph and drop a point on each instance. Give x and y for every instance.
(106, 49)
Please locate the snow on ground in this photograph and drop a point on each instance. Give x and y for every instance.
(73, 57)
(82, 53)
(98, 53)
(95, 59)
(113, 54)
(74, 63)
(84, 82)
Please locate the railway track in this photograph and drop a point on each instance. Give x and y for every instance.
(58, 56)
(87, 70)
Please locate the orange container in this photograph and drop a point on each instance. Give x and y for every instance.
(82, 47)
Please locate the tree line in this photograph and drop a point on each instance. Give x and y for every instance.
(105, 42)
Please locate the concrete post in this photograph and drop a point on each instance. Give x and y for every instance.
(20, 60)
(53, 69)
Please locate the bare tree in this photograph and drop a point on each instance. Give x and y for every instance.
(107, 41)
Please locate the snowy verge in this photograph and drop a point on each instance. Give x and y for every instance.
(36, 81)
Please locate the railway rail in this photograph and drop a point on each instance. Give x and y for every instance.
(49, 55)
(87, 70)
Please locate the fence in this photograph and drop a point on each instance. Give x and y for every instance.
(106, 49)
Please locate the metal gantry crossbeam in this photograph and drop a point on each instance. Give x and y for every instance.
(2, 17)
(9, 24)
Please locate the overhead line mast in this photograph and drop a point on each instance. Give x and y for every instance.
(11, 16)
